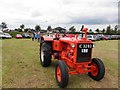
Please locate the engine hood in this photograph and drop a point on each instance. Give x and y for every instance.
(74, 40)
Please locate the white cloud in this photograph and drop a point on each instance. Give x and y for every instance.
(58, 12)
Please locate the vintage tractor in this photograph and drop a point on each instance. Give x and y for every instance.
(74, 55)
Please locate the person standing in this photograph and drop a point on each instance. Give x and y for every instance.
(38, 36)
(33, 36)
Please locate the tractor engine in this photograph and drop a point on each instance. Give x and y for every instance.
(76, 52)
(67, 52)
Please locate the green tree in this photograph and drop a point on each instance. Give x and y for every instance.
(16, 29)
(116, 29)
(26, 29)
(3, 25)
(49, 28)
(19, 30)
(97, 30)
(22, 27)
(90, 30)
(37, 28)
(72, 29)
(103, 31)
(108, 30)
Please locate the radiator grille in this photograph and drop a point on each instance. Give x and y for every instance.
(84, 53)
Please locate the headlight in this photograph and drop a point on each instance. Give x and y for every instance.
(72, 45)
(93, 45)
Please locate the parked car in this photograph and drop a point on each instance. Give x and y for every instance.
(19, 36)
(98, 37)
(7, 36)
(108, 36)
(115, 37)
(91, 37)
(118, 36)
(2, 36)
(80, 36)
(104, 37)
(112, 37)
(26, 35)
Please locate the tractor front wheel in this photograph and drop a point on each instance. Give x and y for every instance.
(98, 69)
(61, 74)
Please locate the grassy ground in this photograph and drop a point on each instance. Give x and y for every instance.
(21, 67)
(0, 63)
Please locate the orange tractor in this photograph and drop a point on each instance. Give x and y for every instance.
(74, 57)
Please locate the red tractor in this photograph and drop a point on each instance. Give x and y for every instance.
(74, 55)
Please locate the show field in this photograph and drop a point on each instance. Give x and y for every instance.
(21, 67)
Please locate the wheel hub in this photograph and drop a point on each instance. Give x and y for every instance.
(58, 74)
(94, 71)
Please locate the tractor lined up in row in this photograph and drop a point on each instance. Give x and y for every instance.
(74, 57)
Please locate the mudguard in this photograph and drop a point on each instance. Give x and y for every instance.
(47, 38)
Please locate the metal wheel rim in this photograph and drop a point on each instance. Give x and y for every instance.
(95, 70)
(42, 55)
(58, 74)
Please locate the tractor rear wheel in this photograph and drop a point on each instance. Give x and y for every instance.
(98, 71)
(45, 54)
(61, 74)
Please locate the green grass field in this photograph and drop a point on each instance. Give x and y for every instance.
(0, 64)
(21, 67)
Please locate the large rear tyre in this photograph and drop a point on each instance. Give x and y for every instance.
(61, 74)
(45, 54)
(98, 71)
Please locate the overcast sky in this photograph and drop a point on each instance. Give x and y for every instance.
(91, 13)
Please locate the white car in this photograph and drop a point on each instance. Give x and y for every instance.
(91, 37)
(7, 35)
(80, 36)
(2, 36)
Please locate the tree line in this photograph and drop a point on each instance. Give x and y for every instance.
(108, 30)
